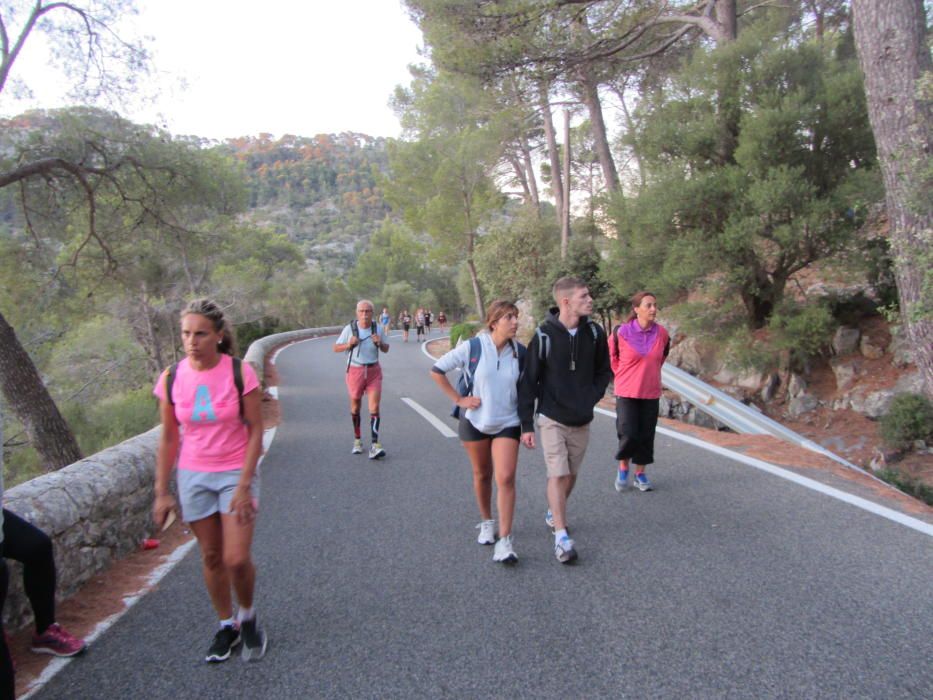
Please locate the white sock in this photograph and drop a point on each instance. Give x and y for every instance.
(245, 614)
(229, 622)
(558, 534)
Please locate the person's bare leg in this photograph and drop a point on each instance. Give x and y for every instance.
(557, 490)
(481, 460)
(237, 542)
(209, 533)
(505, 460)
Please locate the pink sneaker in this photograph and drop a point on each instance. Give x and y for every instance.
(56, 641)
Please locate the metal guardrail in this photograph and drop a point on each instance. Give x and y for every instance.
(739, 417)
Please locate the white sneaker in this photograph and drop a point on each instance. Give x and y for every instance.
(376, 451)
(357, 447)
(565, 550)
(487, 532)
(504, 551)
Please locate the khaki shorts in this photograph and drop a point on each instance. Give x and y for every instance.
(563, 446)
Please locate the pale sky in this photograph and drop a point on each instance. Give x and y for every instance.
(228, 68)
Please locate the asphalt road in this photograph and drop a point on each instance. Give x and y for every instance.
(725, 582)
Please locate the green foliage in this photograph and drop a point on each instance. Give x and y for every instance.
(741, 351)
(394, 255)
(909, 418)
(803, 329)
(398, 297)
(516, 255)
(792, 190)
(584, 261)
(462, 331)
(112, 420)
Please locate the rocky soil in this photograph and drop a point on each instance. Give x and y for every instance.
(836, 401)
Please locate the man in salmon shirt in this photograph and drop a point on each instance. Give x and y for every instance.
(637, 350)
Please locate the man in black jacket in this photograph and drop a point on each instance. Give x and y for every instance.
(566, 373)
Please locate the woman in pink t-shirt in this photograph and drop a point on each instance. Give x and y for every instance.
(216, 442)
(637, 350)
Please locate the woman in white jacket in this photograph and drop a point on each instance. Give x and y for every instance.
(489, 425)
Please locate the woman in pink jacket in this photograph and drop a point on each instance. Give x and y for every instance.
(637, 349)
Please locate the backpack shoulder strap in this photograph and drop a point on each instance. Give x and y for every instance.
(594, 329)
(521, 351)
(544, 344)
(170, 382)
(238, 382)
(476, 351)
(355, 331)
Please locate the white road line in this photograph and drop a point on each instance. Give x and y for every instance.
(858, 502)
(430, 418)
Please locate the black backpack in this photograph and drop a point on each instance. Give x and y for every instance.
(237, 381)
(355, 330)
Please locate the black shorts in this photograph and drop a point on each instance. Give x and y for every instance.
(406, 327)
(468, 432)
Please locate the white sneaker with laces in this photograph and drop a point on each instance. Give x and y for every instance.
(487, 532)
(565, 550)
(376, 451)
(357, 447)
(505, 553)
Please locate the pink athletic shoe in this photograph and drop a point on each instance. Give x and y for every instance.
(57, 641)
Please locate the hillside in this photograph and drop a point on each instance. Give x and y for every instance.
(322, 191)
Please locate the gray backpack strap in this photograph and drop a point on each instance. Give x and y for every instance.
(544, 344)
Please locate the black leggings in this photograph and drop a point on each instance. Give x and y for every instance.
(30, 546)
(636, 421)
(7, 685)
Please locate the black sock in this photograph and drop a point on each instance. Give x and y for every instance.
(356, 425)
(374, 426)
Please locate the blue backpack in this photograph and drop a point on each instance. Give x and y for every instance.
(465, 383)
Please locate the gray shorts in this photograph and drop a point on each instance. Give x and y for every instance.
(201, 494)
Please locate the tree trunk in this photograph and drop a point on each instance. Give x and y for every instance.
(891, 41)
(530, 174)
(557, 187)
(727, 19)
(565, 207)
(477, 292)
(519, 171)
(728, 91)
(598, 127)
(27, 397)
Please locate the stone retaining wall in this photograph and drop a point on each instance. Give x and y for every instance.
(98, 510)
